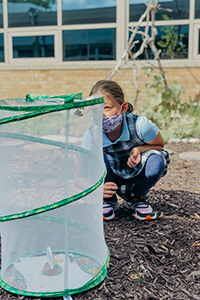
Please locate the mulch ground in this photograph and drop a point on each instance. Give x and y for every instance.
(153, 260)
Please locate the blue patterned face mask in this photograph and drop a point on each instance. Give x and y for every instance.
(111, 123)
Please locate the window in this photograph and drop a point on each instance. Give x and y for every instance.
(94, 44)
(171, 39)
(1, 14)
(33, 46)
(197, 9)
(88, 11)
(180, 10)
(1, 48)
(65, 32)
(22, 13)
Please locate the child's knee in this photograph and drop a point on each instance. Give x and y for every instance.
(154, 166)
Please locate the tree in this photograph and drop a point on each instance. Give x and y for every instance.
(148, 39)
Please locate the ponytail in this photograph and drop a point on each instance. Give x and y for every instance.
(130, 107)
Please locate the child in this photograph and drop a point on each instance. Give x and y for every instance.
(133, 153)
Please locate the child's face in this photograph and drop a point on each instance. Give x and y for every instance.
(111, 108)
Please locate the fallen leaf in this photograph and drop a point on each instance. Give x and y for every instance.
(197, 243)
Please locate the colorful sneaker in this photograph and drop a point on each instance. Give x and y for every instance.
(109, 211)
(143, 211)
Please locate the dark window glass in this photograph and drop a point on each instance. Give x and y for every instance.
(94, 44)
(180, 10)
(88, 11)
(22, 13)
(171, 39)
(1, 48)
(1, 14)
(197, 9)
(33, 46)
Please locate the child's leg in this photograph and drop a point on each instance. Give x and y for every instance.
(110, 204)
(151, 173)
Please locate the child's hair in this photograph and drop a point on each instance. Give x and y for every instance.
(109, 87)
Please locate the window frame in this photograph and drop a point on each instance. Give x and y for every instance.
(29, 60)
(89, 27)
(196, 47)
(121, 25)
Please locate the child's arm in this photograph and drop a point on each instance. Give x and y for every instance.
(156, 144)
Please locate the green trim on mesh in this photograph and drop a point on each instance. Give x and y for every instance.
(54, 205)
(43, 217)
(33, 97)
(97, 279)
(35, 111)
(69, 103)
(45, 141)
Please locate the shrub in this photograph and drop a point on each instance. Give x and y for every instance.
(164, 108)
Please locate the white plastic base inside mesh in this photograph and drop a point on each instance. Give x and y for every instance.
(26, 273)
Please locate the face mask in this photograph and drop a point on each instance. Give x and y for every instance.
(110, 123)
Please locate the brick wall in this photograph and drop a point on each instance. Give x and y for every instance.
(18, 83)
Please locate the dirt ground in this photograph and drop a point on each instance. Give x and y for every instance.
(155, 260)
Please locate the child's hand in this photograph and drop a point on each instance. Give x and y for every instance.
(134, 158)
(109, 189)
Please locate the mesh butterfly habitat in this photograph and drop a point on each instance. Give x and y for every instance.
(51, 189)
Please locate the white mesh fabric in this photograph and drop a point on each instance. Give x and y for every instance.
(34, 175)
(40, 174)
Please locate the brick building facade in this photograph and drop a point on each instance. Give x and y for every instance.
(18, 83)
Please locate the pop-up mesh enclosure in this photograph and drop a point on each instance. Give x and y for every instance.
(51, 189)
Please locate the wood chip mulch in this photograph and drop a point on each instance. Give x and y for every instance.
(154, 260)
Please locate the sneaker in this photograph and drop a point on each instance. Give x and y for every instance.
(143, 211)
(109, 211)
